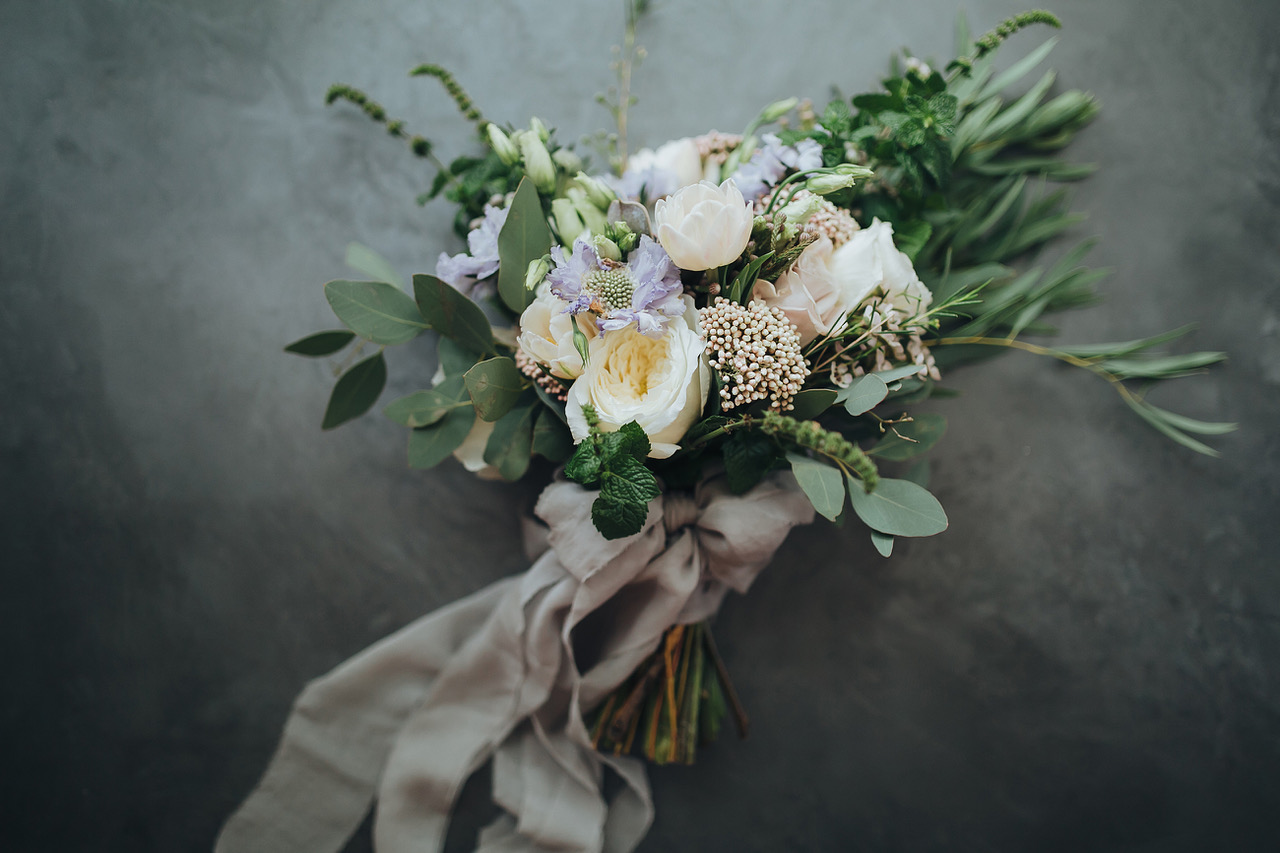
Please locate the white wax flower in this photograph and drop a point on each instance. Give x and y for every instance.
(679, 157)
(546, 334)
(703, 226)
(825, 283)
(660, 383)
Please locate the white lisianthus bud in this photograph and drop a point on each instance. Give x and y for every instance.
(502, 145)
(568, 222)
(777, 110)
(592, 217)
(536, 125)
(536, 272)
(703, 226)
(567, 160)
(598, 192)
(840, 178)
(537, 162)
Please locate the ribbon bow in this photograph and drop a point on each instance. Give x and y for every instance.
(497, 675)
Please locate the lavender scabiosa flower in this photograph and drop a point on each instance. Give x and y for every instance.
(645, 290)
(769, 163)
(480, 261)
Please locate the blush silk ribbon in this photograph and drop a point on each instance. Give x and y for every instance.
(494, 675)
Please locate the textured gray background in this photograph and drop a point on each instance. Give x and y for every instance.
(1086, 660)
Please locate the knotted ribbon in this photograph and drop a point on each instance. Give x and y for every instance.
(496, 675)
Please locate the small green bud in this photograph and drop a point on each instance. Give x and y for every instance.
(800, 209)
(502, 145)
(537, 162)
(598, 192)
(536, 272)
(606, 248)
(567, 160)
(777, 110)
(536, 125)
(833, 180)
(568, 224)
(622, 235)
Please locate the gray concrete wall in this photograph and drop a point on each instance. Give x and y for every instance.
(1086, 660)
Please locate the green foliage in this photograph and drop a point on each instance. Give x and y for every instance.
(883, 542)
(615, 462)
(424, 408)
(453, 315)
(363, 259)
(510, 445)
(429, 446)
(376, 311)
(551, 438)
(494, 385)
(811, 402)
(821, 483)
(524, 238)
(356, 391)
(897, 508)
(748, 456)
(910, 439)
(321, 343)
(862, 394)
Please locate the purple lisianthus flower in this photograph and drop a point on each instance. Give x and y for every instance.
(480, 261)
(769, 163)
(645, 290)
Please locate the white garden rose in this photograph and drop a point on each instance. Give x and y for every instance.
(546, 334)
(660, 383)
(825, 283)
(679, 158)
(703, 226)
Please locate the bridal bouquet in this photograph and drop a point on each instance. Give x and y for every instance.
(709, 342)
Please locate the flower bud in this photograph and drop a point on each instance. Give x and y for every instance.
(568, 223)
(598, 192)
(502, 145)
(592, 216)
(621, 233)
(567, 160)
(839, 178)
(536, 125)
(536, 272)
(537, 162)
(606, 248)
(777, 110)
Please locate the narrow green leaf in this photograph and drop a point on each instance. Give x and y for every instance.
(898, 508)
(910, 439)
(494, 385)
(363, 259)
(1162, 367)
(452, 314)
(1020, 109)
(511, 442)
(1191, 424)
(822, 484)
(810, 403)
(1155, 417)
(524, 237)
(1018, 70)
(321, 343)
(356, 392)
(883, 542)
(424, 408)
(1119, 348)
(375, 310)
(430, 446)
(863, 394)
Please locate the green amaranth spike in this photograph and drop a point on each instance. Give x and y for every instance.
(614, 287)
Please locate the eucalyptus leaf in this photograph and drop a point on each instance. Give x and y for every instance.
(376, 311)
(910, 439)
(525, 237)
(424, 408)
(321, 343)
(883, 543)
(494, 385)
(898, 508)
(453, 359)
(356, 391)
(453, 315)
(551, 438)
(363, 259)
(511, 443)
(810, 403)
(823, 484)
(863, 394)
(430, 446)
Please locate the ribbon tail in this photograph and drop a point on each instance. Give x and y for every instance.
(321, 781)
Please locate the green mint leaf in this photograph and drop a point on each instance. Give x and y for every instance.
(748, 456)
(584, 465)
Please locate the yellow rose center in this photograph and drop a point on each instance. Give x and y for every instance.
(630, 366)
